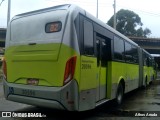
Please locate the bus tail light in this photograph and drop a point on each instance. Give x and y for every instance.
(4, 68)
(69, 69)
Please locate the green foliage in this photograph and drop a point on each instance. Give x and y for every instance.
(129, 24)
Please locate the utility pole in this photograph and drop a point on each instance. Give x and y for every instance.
(9, 11)
(97, 8)
(114, 20)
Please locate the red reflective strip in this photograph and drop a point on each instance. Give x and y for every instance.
(4, 67)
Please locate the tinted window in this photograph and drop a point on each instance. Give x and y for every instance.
(103, 49)
(128, 52)
(135, 54)
(145, 60)
(118, 48)
(150, 61)
(88, 38)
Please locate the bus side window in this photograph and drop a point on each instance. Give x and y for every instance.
(98, 51)
(103, 49)
(88, 38)
(128, 52)
(148, 61)
(145, 61)
(135, 54)
(118, 49)
(105, 52)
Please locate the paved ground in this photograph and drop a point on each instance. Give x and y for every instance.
(139, 102)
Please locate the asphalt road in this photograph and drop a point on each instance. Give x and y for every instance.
(136, 105)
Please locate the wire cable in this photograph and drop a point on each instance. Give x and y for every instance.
(142, 11)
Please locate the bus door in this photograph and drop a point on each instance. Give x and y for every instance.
(101, 47)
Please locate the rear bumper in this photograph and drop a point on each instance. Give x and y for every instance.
(65, 97)
(36, 101)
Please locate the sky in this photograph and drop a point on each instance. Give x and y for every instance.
(148, 10)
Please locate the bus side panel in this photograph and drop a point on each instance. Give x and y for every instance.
(118, 72)
(88, 80)
(132, 77)
(109, 80)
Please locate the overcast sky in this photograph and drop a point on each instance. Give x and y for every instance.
(148, 10)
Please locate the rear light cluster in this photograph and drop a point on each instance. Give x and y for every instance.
(4, 68)
(69, 70)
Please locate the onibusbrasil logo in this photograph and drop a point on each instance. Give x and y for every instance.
(22, 114)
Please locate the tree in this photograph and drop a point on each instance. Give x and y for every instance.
(129, 24)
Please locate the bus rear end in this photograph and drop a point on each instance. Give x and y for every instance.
(38, 68)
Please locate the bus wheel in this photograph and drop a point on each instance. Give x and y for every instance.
(120, 93)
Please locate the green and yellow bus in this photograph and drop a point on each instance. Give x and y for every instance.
(62, 57)
(148, 68)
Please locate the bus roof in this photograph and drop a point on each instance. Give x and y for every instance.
(59, 7)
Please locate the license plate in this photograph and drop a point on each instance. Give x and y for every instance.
(27, 92)
(32, 81)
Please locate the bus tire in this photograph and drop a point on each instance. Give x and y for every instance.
(120, 94)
